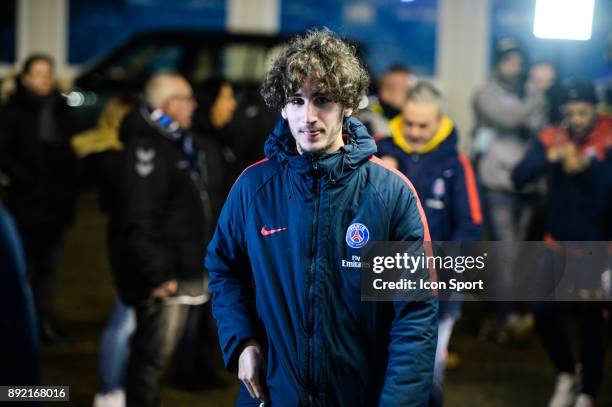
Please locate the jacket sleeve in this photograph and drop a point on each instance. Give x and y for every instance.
(145, 193)
(533, 165)
(466, 210)
(233, 298)
(415, 323)
(506, 110)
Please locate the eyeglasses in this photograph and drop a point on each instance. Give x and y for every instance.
(185, 98)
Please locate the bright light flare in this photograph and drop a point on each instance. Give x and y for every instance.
(563, 19)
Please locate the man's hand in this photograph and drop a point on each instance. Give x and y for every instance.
(251, 368)
(164, 290)
(574, 161)
(556, 154)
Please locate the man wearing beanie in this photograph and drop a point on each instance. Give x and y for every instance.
(577, 156)
(507, 116)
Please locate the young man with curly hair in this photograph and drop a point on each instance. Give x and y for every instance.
(287, 303)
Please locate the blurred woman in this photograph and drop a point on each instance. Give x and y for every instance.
(196, 358)
(214, 138)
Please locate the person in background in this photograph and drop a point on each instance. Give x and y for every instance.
(507, 117)
(102, 147)
(197, 357)
(423, 146)
(392, 88)
(214, 139)
(577, 155)
(163, 217)
(36, 157)
(542, 78)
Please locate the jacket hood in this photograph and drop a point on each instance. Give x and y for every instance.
(444, 140)
(359, 147)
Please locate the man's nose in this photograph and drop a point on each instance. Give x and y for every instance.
(412, 131)
(311, 112)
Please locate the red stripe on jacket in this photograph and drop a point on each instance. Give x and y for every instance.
(472, 190)
(248, 168)
(426, 236)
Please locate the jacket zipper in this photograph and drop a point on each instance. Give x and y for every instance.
(313, 266)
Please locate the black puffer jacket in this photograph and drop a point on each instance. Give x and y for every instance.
(162, 217)
(35, 154)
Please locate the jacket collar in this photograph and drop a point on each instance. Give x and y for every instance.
(336, 166)
(443, 133)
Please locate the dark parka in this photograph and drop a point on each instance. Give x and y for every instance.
(162, 216)
(276, 260)
(38, 161)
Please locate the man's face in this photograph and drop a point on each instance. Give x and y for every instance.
(393, 89)
(181, 105)
(580, 117)
(314, 120)
(511, 66)
(421, 122)
(40, 78)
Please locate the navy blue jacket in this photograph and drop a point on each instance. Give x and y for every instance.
(443, 179)
(580, 205)
(276, 259)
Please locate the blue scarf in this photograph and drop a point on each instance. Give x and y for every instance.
(172, 130)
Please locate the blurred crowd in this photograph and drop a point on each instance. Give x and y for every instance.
(163, 162)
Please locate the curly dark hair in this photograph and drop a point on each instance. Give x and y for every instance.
(320, 56)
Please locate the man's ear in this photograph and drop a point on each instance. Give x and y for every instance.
(284, 113)
(348, 111)
(168, 107)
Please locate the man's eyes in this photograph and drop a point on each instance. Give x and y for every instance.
(419, 125)
(319, 101)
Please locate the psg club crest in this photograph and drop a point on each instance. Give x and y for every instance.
(357, 235)
(439, 188)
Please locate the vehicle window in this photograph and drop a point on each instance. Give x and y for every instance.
(145, 60)
(244, 62)
(204, 66)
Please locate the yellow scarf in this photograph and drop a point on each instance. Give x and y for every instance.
(397, 134)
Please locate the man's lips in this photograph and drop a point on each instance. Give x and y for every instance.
(311, 133)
